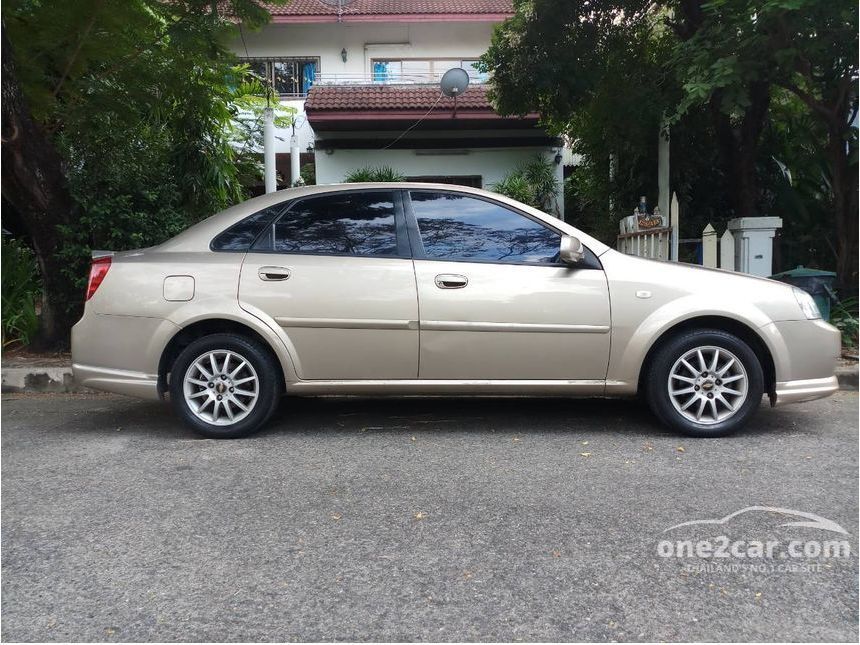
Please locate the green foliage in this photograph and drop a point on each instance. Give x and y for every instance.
(308, 173)
(158, 125)
(20, 292)
(594, 72)
(534, 184)
(377, 173)
(805, 46)
(843, 315)
(735, 78)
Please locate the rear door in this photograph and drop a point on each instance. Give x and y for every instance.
(335, 272)
(495, 302)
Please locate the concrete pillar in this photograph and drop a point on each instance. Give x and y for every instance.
(270, 173)
(295, 160)
(559, 177)
(674, 221)
(754, 243)
(663, 195)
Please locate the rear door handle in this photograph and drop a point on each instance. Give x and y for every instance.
(273, 274)
(451, 281)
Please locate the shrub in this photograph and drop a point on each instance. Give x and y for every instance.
(844, 317)
(533, 184)
(308, 174)
(20, 291)
(370, 173)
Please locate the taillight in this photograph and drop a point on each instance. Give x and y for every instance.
(98, 271)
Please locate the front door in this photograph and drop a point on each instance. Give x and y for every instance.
(495, 302)
(334, 271)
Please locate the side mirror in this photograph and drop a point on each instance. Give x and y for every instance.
(571, 250)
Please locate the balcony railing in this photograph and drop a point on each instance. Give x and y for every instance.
(391, 79)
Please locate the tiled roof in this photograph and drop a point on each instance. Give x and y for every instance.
(390, 7)
(373, 98)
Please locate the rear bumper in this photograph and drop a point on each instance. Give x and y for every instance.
(805, 390)
(137, 384)
(119, 353)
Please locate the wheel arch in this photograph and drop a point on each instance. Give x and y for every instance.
(206, 327)
(722, 323)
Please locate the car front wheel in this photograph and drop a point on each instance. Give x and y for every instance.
(224, 386)
(705, 383)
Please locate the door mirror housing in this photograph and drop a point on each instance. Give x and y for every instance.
(571, 250)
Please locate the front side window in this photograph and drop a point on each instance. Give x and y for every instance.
(460, 227)
(360, 223)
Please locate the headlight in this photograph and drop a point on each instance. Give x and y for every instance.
(807, 304)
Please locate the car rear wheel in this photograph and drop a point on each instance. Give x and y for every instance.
(705, 383)
(225, 386)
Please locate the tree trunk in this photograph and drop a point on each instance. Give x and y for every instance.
(34, 183)
(844, 187)
(739, 148)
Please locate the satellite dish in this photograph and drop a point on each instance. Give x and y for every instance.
(454, 82)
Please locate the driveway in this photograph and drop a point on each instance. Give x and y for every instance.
(423, 519)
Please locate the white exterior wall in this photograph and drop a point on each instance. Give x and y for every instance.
(363, 42)
(492, 164)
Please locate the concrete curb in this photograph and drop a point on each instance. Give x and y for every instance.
(847, 377)
(60, 379)
(39, 379)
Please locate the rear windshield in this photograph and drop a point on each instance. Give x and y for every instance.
(241, 235)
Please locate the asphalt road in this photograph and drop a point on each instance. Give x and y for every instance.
(417, 519)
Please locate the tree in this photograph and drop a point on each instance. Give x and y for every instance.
(608, 73)
(119, 127)
(735, 89)
(808, 48)
(564, 59)
(34, 183)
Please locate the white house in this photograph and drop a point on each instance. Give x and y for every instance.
(364, 77)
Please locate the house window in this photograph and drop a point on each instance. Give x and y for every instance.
(414, 70)
(287, 76)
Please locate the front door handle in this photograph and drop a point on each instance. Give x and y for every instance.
(451, 281)
(273, 274)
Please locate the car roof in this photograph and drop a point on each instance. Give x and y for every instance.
(198, 237)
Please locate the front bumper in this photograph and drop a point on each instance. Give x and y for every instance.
(805, 354)
(805, 390)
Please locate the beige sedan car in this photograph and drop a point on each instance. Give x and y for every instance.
(424, 289)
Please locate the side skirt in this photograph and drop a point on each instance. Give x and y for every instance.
(428, 387)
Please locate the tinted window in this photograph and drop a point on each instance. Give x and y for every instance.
(458, 227)
(240, 236)
(350, 224)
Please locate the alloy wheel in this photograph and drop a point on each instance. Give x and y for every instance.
(221, 387)
(708, 385)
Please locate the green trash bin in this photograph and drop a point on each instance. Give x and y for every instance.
(818, 284)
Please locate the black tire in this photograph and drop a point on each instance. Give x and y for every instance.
(671, 351)
(268, 372)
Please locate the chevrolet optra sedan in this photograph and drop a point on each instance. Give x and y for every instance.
(424, 289)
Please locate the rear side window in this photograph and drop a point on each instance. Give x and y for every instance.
(241, 235)
(360, 223)
(460, 227)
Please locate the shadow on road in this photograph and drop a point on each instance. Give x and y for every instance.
(350, 415)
